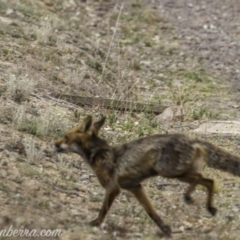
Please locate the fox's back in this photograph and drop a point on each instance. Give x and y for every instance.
(167, 155)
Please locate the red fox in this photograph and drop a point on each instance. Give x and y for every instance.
(126, 166)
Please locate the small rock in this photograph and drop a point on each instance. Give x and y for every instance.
(205, 26)
(187, 225)
(171, 114)
(85, 177)
(9, 11)
(15, 14)
(182, 229)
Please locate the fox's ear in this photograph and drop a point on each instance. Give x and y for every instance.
(85, 124)
(97, 125)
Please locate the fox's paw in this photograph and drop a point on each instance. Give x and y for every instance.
(188, 199)
(212, 210)
(95, 222)
(166, 230)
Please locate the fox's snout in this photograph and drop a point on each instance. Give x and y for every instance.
(55, 147)
(59, 147)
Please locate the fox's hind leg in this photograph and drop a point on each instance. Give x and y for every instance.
(140, 195)
(192, 185)
(194, 179)
(209, 184)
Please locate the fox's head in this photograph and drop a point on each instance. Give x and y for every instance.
(83, 139)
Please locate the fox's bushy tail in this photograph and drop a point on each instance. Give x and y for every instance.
(220, 159)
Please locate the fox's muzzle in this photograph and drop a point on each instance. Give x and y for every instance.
(57, 148)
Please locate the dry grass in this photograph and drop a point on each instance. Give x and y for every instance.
(49, 123)
(34, 153)
(19, 87)
(99, 48)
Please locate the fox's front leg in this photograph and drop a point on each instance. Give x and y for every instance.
(111, 193)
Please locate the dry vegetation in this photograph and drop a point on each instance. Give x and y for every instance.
(106, 49)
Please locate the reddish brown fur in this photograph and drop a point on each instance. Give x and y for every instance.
(127, 165)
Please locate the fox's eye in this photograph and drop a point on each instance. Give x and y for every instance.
(66, 138)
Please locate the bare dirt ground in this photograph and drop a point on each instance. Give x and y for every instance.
(209, 29)
(174, 53)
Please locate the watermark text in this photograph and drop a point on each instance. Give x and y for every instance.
(24, 232)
